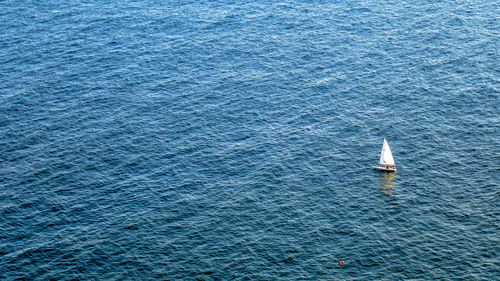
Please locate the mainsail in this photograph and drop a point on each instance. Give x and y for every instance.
(386, 155)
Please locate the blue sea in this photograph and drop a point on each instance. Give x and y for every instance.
(234, 140)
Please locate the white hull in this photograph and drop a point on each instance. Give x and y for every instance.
(385, 169)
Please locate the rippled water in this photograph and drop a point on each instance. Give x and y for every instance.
(234, 140)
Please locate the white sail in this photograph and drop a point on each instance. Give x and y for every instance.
(386, 155)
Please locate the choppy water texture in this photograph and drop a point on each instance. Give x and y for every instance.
(220, 140)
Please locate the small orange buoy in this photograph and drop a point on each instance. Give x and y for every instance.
(341, 262)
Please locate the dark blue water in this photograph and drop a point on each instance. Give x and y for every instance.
(230, 140)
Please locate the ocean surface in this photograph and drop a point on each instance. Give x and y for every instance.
(234, 140)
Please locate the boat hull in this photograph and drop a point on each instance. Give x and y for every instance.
(384, 169)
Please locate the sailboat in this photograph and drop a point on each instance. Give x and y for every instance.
(386, 159)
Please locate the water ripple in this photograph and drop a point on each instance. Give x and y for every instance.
(198, 141)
